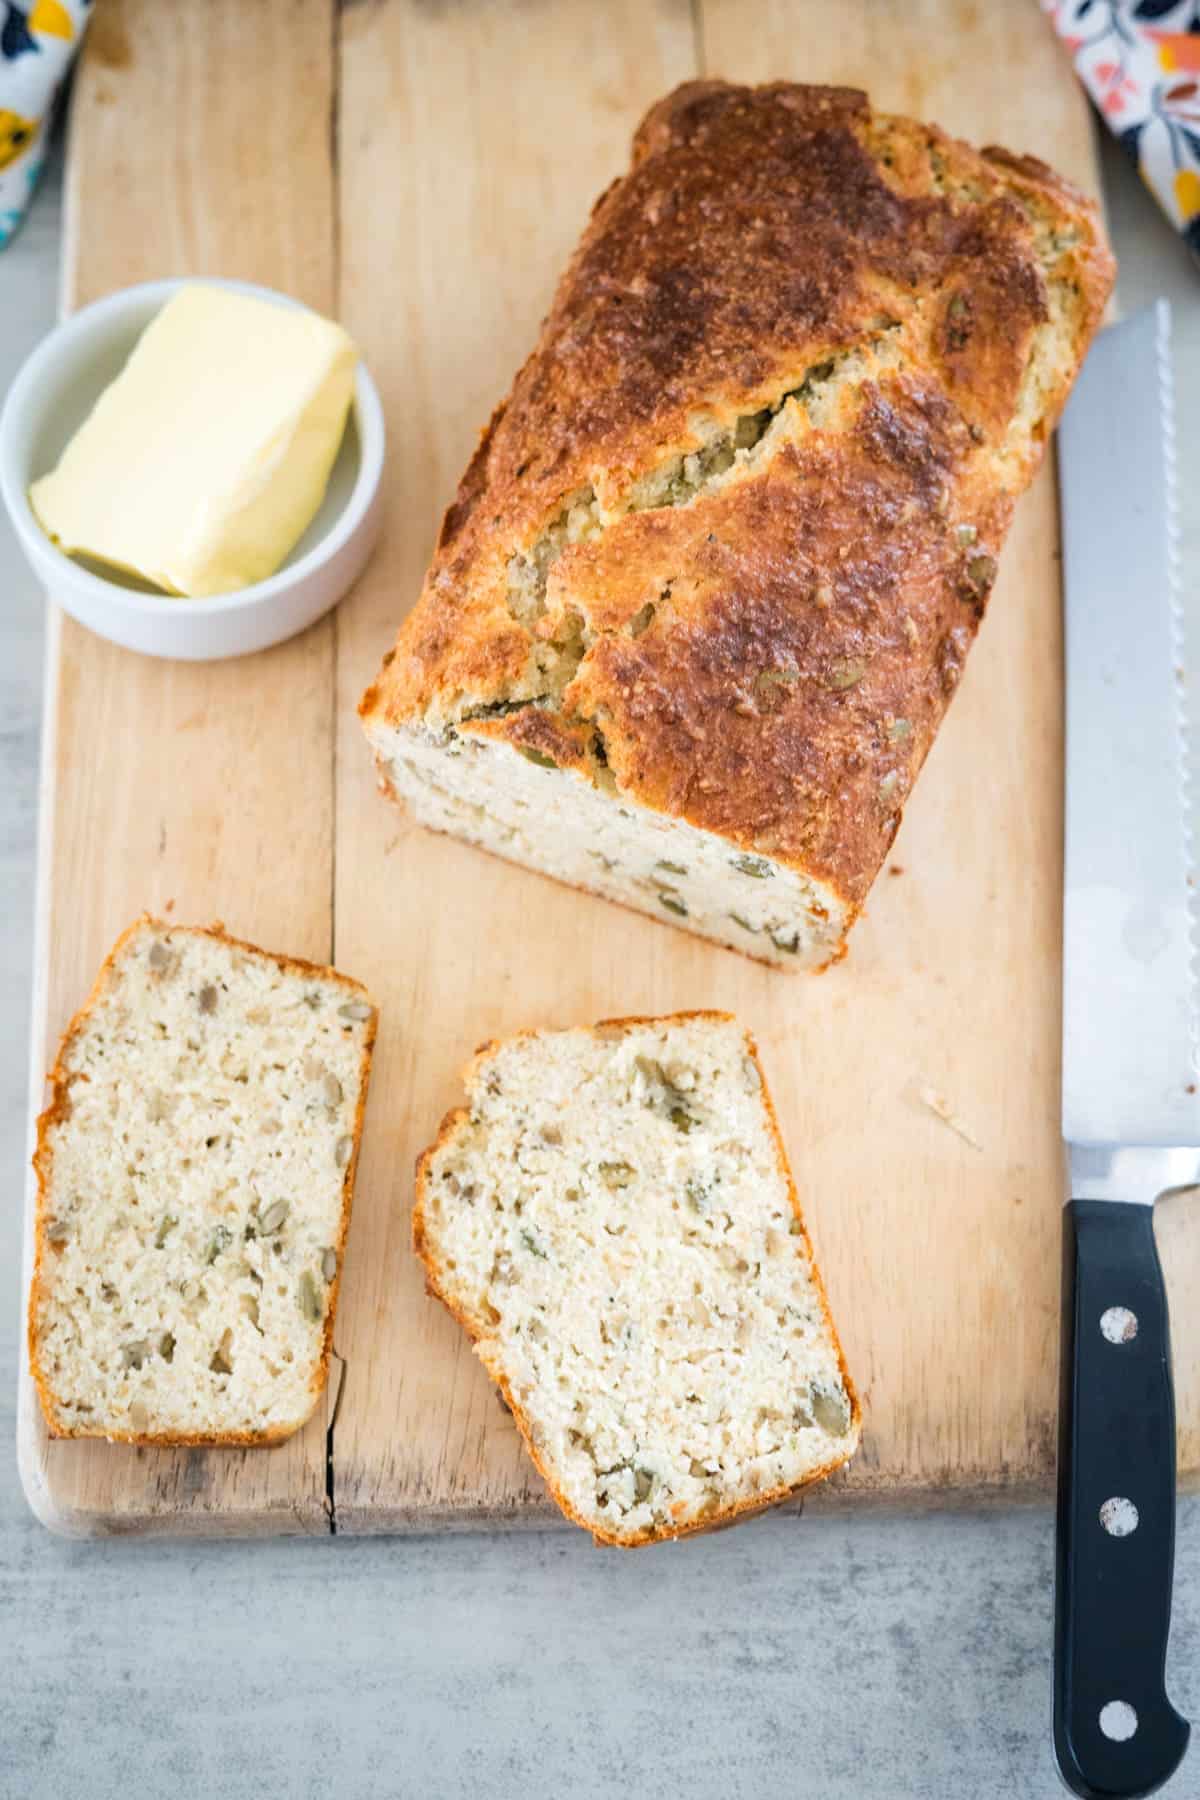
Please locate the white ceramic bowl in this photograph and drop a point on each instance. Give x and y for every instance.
(52, 395)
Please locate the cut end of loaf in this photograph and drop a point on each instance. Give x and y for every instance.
(613, 1220)
(195, 1174)
(555, 820)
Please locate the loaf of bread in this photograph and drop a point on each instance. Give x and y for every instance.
(195, 1170)
(612, 1219)
(708, 583)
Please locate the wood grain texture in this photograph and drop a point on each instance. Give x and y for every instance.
(942, 1257)
(472, 141)
(500, 125)
(982, 839)
(203, 787)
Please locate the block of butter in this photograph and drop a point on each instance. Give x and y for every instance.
(205, 460)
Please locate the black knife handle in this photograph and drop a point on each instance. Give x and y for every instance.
(1116, 1453)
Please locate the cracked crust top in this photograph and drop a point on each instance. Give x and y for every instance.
(900, 317)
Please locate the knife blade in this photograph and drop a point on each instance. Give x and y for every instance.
(1131, 1118)
(1128, 1014)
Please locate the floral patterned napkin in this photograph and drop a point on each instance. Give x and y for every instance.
(38, 42)
(1140, 62)
(1138, 59)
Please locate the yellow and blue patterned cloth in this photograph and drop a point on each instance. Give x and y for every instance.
(1140, 62)
(38, 41)
(1138, 59)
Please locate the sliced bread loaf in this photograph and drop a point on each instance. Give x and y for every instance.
(710, 579)
(195, 1172)
(613, 1220)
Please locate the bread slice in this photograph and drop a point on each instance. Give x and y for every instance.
(709, 582)
(195, 1171)
(613, 1220)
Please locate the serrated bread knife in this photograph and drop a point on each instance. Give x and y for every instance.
(1131, 1118)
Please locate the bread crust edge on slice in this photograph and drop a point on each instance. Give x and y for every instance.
(729, 1515)
(58, 1109)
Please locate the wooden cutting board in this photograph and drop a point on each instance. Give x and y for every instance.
(423, 171)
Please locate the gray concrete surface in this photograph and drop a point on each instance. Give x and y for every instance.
(896, 1659)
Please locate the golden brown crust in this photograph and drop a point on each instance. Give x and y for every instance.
(58, 1110)
(811, 617)
(435, 1287)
